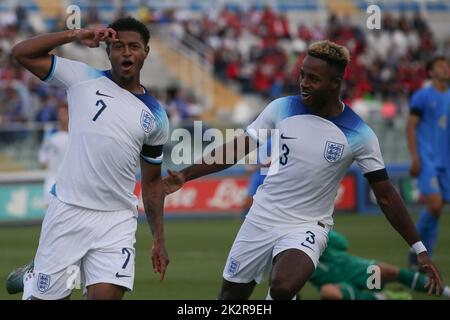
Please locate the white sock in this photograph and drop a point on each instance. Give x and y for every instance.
(380, 296)
(28, 280)
(446, 292)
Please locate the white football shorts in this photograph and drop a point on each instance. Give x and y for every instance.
(78, 244)
(256, 245)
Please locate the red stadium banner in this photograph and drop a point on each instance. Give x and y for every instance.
(225, 195)
(206, 196)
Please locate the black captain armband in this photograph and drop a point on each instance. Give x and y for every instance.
(377, 176)
(152, 154)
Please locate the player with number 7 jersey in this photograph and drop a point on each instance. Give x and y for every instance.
(113, 123)
(108, 128)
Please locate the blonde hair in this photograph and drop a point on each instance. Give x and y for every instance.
(331, 52)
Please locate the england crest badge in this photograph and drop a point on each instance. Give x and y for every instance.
(147, 121)
(43, 282)
(233, 267)
(333, 151)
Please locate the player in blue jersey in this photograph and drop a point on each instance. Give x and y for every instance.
(316, 138)
(428, 135)
(89, 229)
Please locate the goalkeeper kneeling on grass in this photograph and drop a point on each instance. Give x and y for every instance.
(342, 276)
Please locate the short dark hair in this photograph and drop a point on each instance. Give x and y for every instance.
(433, 60)
(131, 24)
(335, 55)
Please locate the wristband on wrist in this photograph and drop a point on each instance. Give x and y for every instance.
(418, 247)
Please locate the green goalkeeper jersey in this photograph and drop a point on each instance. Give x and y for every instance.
(336, 265)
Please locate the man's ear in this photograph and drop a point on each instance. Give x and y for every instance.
(147, 50)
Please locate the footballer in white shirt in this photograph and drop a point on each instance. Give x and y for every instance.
(113, 123)
(52, 151)
(319, 137)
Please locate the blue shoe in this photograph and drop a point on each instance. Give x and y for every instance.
(14, 281)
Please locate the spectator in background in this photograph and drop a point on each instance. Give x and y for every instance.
(22, 23)
(121, 13)
(194, 108)
(177, 107)
(14, 106)
(92, 16)
(48, 112)
(53, 149)
(389, 111)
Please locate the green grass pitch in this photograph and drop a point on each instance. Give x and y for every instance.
(198, 249)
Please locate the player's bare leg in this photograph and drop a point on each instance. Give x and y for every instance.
(428, 226)
(105, 291)
(435, 204)
(236, 291)
(291, 269)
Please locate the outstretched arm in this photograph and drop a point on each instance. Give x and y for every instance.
(395, 211)
(175, 180)
(199, 170)
(33, 53)
(153, 198)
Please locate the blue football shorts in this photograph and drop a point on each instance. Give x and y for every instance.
(432, 180)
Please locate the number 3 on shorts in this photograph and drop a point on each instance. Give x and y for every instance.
(310, 239)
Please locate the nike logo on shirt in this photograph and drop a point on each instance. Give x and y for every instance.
(101, 94)
(284, 137)
(121, 275)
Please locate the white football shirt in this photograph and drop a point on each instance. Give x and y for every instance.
(108, 127)
(314, 154)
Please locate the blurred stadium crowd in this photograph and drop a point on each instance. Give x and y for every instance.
(257, 50)
(24, 98)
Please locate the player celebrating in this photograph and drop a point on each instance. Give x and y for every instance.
(287, 226)
(91, 221)
(428, 136)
